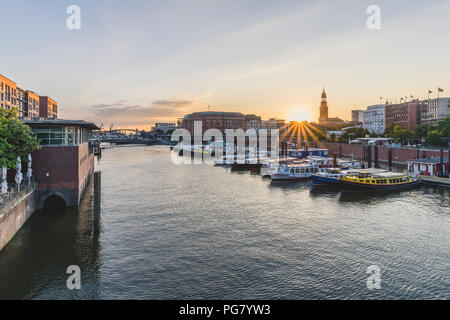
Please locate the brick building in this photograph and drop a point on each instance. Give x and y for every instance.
(214, 119)
(8, 93)
(406, 114)
(64, 164)
(48, 108)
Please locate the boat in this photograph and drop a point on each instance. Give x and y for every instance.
(376, 180)
(330, 175)
(299, 171)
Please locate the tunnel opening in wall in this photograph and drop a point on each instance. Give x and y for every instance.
(54, 203)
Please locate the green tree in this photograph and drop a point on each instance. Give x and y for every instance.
(16, 139)
(421, 130)
(402, 134)
(434, 138)
(389, 131)
(332, 137)
(444, 127)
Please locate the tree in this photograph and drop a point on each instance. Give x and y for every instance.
(16, 139)
(332, 137)
(434, 138)
(444, 127)
(402, 134)
(389, 131)
(421, 130)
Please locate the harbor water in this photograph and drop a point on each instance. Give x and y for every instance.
(203, 232)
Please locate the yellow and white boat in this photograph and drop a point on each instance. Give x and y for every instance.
(377, 180)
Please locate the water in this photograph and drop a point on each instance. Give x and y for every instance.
(204, 232)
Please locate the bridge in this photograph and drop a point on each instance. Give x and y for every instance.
(119, 137)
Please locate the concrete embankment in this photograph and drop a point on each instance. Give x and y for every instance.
(16, 212)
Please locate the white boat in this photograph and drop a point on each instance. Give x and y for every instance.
(295, 172)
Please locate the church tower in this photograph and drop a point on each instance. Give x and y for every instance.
(323, 108)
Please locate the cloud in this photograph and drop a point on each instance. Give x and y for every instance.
(109, 105)
(156, 109)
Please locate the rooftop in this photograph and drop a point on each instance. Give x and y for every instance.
(428, 160)
(60, 122)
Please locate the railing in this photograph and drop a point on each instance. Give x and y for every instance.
(14, 191)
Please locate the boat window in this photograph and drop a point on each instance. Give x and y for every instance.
(384, 181)
(297, 170)
(292, 170)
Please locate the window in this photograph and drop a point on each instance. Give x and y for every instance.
(68, 136)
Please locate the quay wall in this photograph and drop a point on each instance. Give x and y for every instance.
(399, 155)
(15, 213)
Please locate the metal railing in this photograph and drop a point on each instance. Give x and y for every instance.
(15, 191)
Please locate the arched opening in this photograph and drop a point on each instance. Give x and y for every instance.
(54, 203)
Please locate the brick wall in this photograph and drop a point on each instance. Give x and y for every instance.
(68, 168)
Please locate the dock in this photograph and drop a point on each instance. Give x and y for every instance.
(435, 181)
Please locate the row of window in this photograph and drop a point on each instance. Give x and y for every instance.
(384, 181)
(68, 136)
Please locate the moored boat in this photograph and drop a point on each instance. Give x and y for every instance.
(295, 172)
(370, 180)
(328, 176)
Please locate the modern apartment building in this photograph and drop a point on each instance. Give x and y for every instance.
(33, 106)
(373, 119)
(48, 108)
(22, 103)
(434, 110)
(8, 93)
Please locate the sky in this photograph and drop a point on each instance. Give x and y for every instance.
(134, 63)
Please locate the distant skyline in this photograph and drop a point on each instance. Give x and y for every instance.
(135, 63)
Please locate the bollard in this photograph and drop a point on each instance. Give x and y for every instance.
(97, 201)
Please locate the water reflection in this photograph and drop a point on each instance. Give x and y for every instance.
(202, 232)
(34, 263)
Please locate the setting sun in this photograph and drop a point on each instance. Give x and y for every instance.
(299, 115)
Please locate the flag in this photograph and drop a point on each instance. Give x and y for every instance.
(440, 90)
(429, 91)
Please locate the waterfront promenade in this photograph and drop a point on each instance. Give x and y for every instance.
(198, 231)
